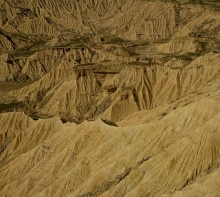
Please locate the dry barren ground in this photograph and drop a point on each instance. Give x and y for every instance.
(117, 98)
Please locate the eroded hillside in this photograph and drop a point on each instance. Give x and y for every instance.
(109, 98)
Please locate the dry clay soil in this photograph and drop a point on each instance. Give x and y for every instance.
(109, 98)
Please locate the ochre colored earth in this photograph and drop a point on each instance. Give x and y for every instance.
(109, 98)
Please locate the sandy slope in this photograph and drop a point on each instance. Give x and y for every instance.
(109, 98)
(47, 158)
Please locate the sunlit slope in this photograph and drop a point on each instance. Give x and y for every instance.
(48, 158)
(109, 98)
(77, 94)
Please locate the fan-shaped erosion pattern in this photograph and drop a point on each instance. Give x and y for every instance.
(117, 98)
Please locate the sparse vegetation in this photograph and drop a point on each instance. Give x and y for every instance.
(10, 107)
(138, 92)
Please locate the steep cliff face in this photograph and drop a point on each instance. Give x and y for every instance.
(109, 98)
(79, 93)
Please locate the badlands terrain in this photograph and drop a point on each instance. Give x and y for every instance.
(109, 98)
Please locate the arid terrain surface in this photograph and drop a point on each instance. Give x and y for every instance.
(109, 98)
